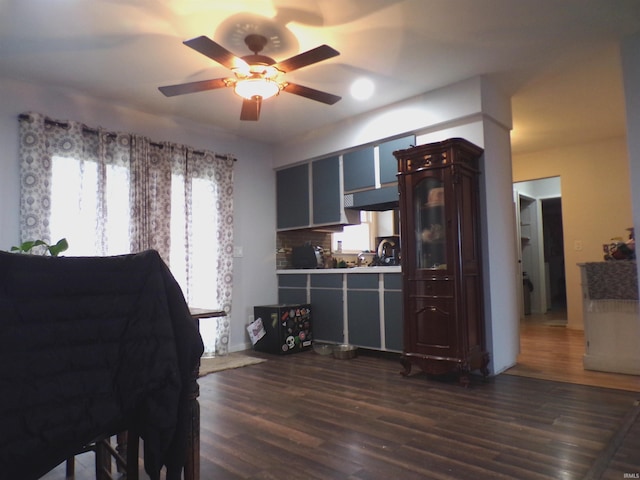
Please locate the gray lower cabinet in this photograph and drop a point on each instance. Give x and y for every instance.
(292, 289)
(393, 301)
(393, 320)
(363, 307)
(373, 306)
(327, 302)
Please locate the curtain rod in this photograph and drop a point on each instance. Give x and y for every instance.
(57, 123)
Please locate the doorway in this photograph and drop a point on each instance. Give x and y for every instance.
(538, 205)
(554, 254)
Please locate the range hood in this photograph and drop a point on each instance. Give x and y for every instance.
(373, 200)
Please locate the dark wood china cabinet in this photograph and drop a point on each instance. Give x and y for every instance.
(441, 258)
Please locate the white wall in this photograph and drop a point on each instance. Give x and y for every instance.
(435, 111)
(254, 181)
(540, 189)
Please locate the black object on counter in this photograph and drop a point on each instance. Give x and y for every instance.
(307, 256)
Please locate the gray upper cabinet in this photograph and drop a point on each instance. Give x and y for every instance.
(319, 181)
(292, 197)
(359, 169)
(312, 194)
(327, 193)
(388, 163)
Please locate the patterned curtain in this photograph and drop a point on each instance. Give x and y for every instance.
(128, 194)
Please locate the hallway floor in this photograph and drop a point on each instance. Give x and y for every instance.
(550, 351)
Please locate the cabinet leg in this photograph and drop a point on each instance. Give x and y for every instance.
(407, 366)
(483, 369)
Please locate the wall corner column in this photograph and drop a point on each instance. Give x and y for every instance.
(498, 231)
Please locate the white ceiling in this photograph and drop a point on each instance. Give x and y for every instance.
(557, 58)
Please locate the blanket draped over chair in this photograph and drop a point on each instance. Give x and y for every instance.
(92, 346)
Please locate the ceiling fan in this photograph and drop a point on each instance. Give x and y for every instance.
(256, 77)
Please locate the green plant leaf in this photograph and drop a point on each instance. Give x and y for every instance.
(27, 246)
(54, 250)
(58, 248)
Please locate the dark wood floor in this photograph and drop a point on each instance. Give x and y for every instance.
(307, 416)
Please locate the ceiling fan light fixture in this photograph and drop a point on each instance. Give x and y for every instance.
(252, 87)
(255, 77)
(258, 81)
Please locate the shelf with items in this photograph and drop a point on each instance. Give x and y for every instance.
(525, 232)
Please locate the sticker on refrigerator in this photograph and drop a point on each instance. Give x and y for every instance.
(291, 341)
(256, 330)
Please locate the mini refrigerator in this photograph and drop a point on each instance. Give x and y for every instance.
(287, 328)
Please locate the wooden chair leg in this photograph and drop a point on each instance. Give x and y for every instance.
(133, 447)
(71, 467)
(192, 455)
(121, 449)
(192, 448)
(125, 455)
(103, 460)
(192, 464)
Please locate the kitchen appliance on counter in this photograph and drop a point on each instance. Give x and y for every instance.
(388, 250)
(307, 256)
(366, 259)
(288, 328)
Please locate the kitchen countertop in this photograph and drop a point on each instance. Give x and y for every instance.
(380, 269)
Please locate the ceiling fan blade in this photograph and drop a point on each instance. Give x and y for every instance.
(193, 87)
(311, 93)
(251, 109)
(216, 52)
(315, 55)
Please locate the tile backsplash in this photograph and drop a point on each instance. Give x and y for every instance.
(285, 241)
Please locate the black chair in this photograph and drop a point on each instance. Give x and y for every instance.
(124, 454)
(90, 347)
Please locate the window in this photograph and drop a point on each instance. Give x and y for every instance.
(115, 193)
(76, 214)
(75, 211)
(356, 238)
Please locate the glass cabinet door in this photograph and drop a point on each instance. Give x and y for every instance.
(430, 232)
